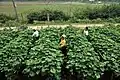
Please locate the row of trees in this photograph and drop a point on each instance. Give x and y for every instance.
(106, 12)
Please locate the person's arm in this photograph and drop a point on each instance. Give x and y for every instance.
(62, 43)
(33, 34)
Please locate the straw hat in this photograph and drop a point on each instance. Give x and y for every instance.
(64, 36)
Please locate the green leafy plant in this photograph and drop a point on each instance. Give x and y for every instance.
(106, 48)
(87, 57)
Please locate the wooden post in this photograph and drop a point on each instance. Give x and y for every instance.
(14, 5)
(48, 18)
(70, 9)
(22, 17)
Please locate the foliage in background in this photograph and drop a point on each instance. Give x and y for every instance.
(4, 18)
(110, 13)
(105, 12)
(43, 15)
(87, 13)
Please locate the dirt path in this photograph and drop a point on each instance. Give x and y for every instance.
(63, 26)
(58, 26)
(74, 25)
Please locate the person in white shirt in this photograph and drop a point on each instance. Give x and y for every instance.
(86, 31)
(35, 35)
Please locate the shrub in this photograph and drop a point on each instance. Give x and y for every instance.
(117, 19)
(73, 20)
(4, 18)
(11, 23)
(104, 12)
(81, 14)
(33, 16)
(59, 15)
(42, 16)
(111, 20)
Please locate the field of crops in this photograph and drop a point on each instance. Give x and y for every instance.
(87, 57)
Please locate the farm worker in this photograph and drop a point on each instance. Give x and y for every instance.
(64, 50)
(63, 41)
(86, 31)
(63, 45)
(35, 35)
